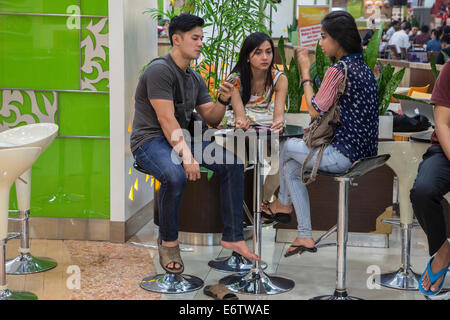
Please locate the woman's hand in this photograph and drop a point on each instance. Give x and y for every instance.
(302, 58)
(277, 125)
(243, 124)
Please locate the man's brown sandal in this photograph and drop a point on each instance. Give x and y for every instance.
(168, 255)
(219, 292)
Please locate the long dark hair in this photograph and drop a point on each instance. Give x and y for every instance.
(243, 66)
(341, 26)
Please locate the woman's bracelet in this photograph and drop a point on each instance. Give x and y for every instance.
(306, 80)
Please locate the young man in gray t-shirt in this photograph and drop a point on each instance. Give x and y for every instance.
(167, 93)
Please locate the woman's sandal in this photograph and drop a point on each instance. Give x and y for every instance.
(219, 292)
(433, 278)
(169, 255)
(299, 250)
(280, 217)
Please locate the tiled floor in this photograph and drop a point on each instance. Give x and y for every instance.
(114, 271)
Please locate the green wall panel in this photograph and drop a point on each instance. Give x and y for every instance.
(37, 6)
(94, 7)
(83, 114)
(71, 180)
(38, 52)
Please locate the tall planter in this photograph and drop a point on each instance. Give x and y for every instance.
(385, 127)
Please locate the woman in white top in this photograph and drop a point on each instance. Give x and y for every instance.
(260, 97)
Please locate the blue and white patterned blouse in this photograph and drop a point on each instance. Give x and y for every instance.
(357, 135)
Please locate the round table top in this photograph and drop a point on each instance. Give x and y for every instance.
(289, 131)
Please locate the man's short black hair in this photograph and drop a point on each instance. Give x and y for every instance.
(183, 23)
(446, 29)
(407, 26)
(446, 38)
(425, 29)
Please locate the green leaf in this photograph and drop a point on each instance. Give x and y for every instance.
(210, 174)
(446, 57)
(433, 67)
(391, 86)
(402, 97)
(373, 47)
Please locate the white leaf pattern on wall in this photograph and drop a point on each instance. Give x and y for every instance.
(7, 109)
(94, 51)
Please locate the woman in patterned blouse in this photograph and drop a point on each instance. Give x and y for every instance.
(355, 137)
(260, 98)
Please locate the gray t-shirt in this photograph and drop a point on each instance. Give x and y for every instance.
(159, 81)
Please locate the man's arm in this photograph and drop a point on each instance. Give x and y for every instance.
(442, 127)
(172, 131)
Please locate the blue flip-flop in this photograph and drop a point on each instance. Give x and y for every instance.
(433, 278)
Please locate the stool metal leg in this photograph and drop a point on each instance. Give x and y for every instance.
(256, 281)
(5, 293)
(25, 263)
(404, 278)
(340, 292)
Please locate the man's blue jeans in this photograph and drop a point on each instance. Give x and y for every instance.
(157, 157)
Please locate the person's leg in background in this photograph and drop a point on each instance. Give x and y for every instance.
(431, 184)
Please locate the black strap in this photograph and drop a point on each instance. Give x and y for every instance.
(178, 97)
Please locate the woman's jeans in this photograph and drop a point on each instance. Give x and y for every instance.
(160, 160)
(292, 191)
(431, 184)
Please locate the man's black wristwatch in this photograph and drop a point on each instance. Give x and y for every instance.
(225, 103)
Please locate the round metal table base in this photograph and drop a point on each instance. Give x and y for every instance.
(400, 280)
(17, 295)
(236, 263)
(171, 283)
(257, 282)
(26, 264)
(337, 295)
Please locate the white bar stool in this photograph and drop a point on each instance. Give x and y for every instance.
(33, 135)
(13, 162)
(405, 160)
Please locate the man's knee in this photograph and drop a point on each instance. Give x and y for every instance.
(423, 192)
(176, 179)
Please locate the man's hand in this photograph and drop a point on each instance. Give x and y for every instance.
(191, 167)
(226, 89)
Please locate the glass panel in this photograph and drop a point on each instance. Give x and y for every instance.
(71, 180)
(83, 114)
(37, 6)
(94, 7)
(38, 52)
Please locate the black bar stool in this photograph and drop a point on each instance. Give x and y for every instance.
(357, 169)
(169, 282)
